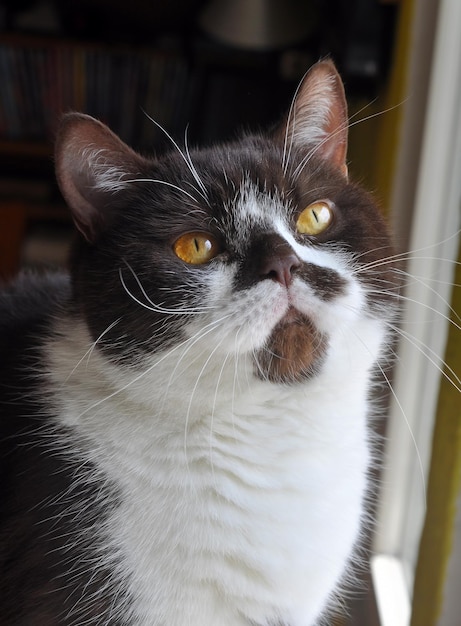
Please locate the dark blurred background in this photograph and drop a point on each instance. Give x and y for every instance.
(213, 67)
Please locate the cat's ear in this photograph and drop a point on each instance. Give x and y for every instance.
(317, 121)
(92, 164)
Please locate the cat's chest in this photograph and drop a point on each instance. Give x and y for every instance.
(225, 523)
(239, 501)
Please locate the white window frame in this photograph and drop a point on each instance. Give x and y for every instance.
(434, 236)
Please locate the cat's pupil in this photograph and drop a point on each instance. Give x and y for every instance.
(315, 218)
(196, 248)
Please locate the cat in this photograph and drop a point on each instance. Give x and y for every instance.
(186, 417)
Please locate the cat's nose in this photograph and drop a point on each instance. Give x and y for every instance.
(278, 261)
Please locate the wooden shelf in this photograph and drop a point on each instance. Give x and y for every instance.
(29, 149)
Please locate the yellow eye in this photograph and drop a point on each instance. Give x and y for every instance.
(196, 248)
(315, 218)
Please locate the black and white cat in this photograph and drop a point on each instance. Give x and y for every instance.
(186, 438)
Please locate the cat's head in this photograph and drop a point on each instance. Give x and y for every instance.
(260, 247)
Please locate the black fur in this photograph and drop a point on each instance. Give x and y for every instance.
(37, 481)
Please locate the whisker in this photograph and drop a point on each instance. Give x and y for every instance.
(192, 341)
(373, 115)
(364, 108)
(184, 157)
(290, 124)
(403, 414)
(194, 389)
(161, 182)
(213, 408)
(405, 256)
(441, 299)
(410, 431)
(203, 332)
(192, 166)
(136, 379)
(423, 304)
(91, 349)
(432, 356)
(411, 255)
(235, 377)
(151, 306)
(339, 130)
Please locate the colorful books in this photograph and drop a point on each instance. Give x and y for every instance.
(119, 85)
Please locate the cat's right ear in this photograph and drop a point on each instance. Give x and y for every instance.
(92, 164)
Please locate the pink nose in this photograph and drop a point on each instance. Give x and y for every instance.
(277, 259)
(280, 266)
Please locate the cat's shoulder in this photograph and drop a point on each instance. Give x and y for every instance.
(31, 295)
(28, 303)
(27, 309)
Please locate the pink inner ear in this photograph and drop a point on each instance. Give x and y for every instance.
(85, 215)
(319, 122)
(86, 151)
(334, 148)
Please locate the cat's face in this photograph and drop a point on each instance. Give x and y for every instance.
(260, 247)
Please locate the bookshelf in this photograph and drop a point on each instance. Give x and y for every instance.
(124, 64)
(207, 88)
(43, 77)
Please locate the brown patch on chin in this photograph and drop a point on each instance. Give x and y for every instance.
(293, 352)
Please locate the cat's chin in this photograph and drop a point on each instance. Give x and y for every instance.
(294, 351)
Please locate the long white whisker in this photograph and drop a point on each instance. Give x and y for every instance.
(403, 414)
(187, 162)
(152, 306)
(161, 182)
(136, 378)
(410, 431)
(194, 389)
(411, 255)
(213, 408)
(91, 349)
(373, 115)
(443, 300)
(328, 137)
(192, 167)
(290, 123)
(423, 304)
(406, 256)
(432, 357)
(203, 332)
(364, 108)
(192, 341)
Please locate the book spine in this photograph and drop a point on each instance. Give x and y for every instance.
(122, 87)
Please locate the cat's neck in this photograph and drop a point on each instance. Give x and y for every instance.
(185, 385)
(215, 462)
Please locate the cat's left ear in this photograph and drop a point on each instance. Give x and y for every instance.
(317, 122)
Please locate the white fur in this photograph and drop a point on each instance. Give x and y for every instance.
(311, 127)
(242, 499)
(107, 176)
